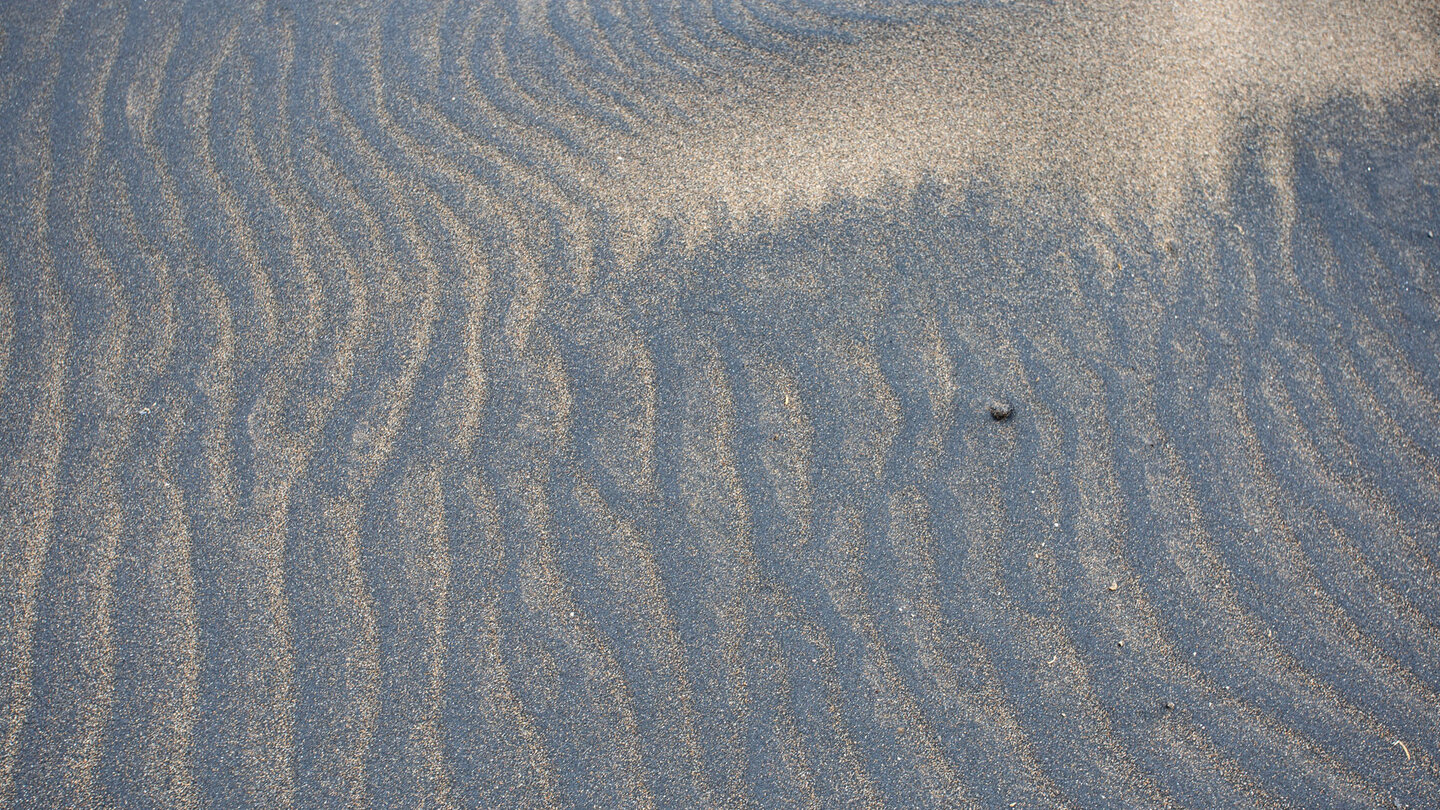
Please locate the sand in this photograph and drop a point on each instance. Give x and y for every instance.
(616, 405)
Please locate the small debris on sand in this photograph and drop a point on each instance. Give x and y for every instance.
(1000, 410)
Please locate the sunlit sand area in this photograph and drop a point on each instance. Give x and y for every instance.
(720, 403)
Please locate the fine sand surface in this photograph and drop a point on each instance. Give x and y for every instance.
(439, 403)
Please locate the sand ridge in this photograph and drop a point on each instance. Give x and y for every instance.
(372, 434)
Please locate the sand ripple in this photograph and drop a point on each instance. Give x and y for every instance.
(588, 404)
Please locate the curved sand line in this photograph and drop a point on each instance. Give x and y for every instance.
(587, 405)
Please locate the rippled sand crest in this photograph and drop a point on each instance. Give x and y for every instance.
(589, 404)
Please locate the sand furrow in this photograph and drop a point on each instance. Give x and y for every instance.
(75, 678)
(37, 420)
(749, 403)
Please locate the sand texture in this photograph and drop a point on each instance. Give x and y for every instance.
(720, 404)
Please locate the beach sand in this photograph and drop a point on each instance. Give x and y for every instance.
(728, 404)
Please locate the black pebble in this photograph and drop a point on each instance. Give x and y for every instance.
(1000, 410)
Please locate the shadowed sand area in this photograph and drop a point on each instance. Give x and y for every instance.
(588, 404)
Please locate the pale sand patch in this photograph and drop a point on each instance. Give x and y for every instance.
(1119, 102)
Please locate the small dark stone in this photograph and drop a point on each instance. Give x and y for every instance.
(1000, 410)
(1169, 706)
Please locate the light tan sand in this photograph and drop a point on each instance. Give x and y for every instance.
(1132, 104)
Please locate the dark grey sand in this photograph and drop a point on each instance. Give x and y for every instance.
(597, 404)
